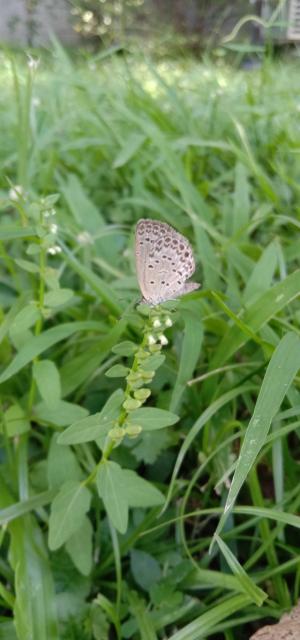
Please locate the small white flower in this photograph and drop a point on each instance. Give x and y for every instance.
(36, 102)
(33, 63)
(84, 238)
(156, 323)
(151, 340)
(50, 212)
(53, 251)
(163, 340)
(15, 192)
(168, 322)
(53, 228)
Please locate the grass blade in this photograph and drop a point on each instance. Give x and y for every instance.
(280, 373)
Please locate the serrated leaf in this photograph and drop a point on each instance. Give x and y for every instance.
(67, 512)
(94, 426)
(148, 448)
(58, 297)
(151, 418)
(47, 380)
(79, 547)
(117, 371)
(109, 484)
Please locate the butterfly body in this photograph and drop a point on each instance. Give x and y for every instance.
(164, 261)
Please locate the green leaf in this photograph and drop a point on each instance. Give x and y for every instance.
(196, 428)
(248, 587)
(280, 373)
(57, 297)
(25, 319)
(256, 316)
(206, 622)
(145, 569)
(241, 201)
(62, 465)
(142, 617)
(148, 448)
(262, 275)
(190, 351)
(67, 512)
(109, 484)
(153, 362)
(12, 232)
(40, 343)
(79, 547)
(84, 211)
(129, 149)
(79, 369)
(27, 265)
(125, 348)
(7, 630)
(25, 506)
(63, 413)
(35, 608)
(16, 421)
(122, 488)
(97, 284)
(151, 418)
(139, 492)
(10, 317)
(96, 425)
(117, 371)
(47, 380)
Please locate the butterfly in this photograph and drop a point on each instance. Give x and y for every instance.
(164, 262)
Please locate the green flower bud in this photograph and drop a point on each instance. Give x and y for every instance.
(147, 375)
(133, 430)
(142, 394)
(141, 354)
(130, 404)
(117, 433)
(155, 347)
(133, 376)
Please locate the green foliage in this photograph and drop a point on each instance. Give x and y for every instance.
(122, 425)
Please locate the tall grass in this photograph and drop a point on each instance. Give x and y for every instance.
(211, 545)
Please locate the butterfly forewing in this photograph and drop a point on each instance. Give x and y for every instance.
(164, 262)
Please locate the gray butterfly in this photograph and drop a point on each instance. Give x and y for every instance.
(164, 262)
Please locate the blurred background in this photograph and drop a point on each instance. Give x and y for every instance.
(163, 24)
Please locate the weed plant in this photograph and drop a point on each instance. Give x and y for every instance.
(150, 457)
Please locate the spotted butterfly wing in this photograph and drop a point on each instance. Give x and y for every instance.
(164, 261)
